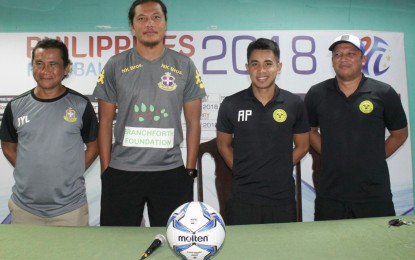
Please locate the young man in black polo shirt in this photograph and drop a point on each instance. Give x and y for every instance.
(351, 112)
(256, 130)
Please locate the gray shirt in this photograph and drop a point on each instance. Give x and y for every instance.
(50, 136)
(149, 96)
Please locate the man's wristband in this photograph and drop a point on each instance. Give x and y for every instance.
(192, 172)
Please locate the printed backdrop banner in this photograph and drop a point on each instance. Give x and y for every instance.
(220, 57)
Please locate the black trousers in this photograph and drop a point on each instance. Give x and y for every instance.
(240, 213)
(124, 195)
(329, 209)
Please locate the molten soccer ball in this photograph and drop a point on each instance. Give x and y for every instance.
(195, 231)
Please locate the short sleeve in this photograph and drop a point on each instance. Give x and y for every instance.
(311, 108)
(394, 114)
(301, 124)
(194, 88)
(105, 88)
(89, 131)
(224, 122)
(7, 132)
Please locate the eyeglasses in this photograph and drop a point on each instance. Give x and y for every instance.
(349, 55)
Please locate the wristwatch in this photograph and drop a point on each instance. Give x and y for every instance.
(192, 172)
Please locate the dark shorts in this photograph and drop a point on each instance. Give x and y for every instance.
(124, 195)
(239, 213)
(329, 209)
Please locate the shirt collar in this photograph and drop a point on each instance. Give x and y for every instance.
(277, 97)
(362, 88)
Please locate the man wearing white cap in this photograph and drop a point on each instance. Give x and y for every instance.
(348, 115)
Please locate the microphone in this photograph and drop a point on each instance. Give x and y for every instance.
(159, 241)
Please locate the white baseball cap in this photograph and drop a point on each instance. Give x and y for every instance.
(348, 38)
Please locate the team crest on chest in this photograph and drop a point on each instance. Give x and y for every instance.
(167, 82)
(70, 115)
(279, 115)
(366, 107)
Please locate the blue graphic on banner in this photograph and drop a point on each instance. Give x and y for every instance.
(378, 56)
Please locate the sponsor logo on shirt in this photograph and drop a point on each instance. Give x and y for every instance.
(279, 115)
(148, 112)
(101, 77)
(148, 137)
(22, 120)
(70, 115)
(366, 107)
(199, 81)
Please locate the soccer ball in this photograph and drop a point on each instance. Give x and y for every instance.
(195, 231)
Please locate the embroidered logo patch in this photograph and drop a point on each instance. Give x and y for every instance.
(366, 107)
(280, 115)
(70, 115)
(167, 82)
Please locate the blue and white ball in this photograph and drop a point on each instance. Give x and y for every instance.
(195, 231)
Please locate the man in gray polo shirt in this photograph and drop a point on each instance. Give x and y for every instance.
(149, 85)
(43, 133)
